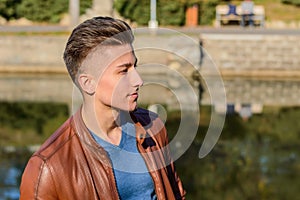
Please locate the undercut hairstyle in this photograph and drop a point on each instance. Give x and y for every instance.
(88, 35)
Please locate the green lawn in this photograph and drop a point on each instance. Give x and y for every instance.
(277, 11)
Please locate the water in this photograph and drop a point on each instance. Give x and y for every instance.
(11, 167)
(9, 176)
(238, 169)
(254, 159)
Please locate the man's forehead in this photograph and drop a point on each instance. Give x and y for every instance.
(107, 54)
(113, 49)
(115, 52)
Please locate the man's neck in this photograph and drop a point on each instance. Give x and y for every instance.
(103, 121)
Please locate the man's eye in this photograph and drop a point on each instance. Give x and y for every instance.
(124, 70)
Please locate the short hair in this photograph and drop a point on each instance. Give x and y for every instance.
(91, 33)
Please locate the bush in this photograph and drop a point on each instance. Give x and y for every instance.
(37, 10)
(293, 2)
(207, 11)
(8, 8)
(43, 11)
(134, 10)
(169, 12)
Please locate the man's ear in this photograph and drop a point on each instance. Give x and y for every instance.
(87, 83)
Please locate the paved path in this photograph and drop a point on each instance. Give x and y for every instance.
(37, 29)
(194, 30)
(239, 30)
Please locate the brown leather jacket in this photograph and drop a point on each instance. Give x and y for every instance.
(71, 164)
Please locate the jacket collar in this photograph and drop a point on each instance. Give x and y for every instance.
(83, 132)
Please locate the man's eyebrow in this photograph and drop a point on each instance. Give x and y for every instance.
(128, 64)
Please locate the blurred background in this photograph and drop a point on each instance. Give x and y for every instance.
(258, 153)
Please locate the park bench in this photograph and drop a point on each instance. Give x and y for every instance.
(223, 18)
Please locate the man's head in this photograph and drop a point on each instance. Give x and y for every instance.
(90, 34)
(101, 61)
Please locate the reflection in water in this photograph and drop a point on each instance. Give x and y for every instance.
(254, 159)
(242, 170)
(11, 166)
(250, 167)
(9, 185)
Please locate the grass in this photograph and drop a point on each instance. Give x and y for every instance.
(275, 10)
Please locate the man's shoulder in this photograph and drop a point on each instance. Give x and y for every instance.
(58, 140)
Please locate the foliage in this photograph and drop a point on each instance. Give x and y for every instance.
(42, 11)
(84, 5)
(169, 12)
(40, 118)
(207, 11)
(293, 2)
(8, 8)
(36, 10)
(134, 10)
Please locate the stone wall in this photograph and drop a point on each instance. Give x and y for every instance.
(260, 69)
(254, 52)
(32, 51)
(230, 52)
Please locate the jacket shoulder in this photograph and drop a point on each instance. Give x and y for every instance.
(151, 122)
(144, 116)
(57, 140)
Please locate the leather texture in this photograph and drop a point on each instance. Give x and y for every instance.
(72, 165)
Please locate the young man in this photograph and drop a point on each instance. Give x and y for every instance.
(109, 149)
(247, 12)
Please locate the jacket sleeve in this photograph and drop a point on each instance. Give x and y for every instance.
(177, 186)
(36, 181)
(155, 127)
(163, 140)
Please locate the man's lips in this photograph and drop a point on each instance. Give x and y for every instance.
(134, 95)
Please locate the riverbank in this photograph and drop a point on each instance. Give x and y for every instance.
(37, 121)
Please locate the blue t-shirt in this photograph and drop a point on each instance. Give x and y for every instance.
(132, 176)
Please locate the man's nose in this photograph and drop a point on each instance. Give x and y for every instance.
(136, 79)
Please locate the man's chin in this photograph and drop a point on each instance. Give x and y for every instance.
(133, 106)
(130, 108)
